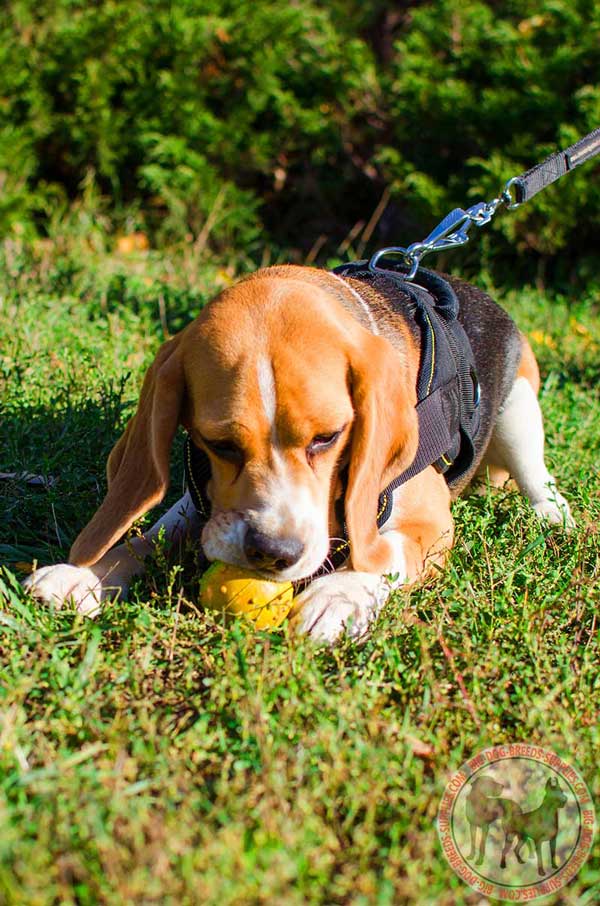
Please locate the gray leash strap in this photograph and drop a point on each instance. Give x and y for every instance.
(452, 230)
(533, 181)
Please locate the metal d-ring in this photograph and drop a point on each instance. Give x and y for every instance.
(411, 260)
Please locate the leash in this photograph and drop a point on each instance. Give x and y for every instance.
(453, 229)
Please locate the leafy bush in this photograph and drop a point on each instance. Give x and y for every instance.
(478, 92)
(195, 107)
(221, 123)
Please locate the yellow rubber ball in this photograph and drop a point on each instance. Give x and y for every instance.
(231, 590)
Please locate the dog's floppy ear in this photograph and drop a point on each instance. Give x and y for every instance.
(138, 466)
(384, 440)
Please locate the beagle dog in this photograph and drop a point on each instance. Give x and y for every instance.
(299, 386)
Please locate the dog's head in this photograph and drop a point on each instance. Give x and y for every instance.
(281, 387)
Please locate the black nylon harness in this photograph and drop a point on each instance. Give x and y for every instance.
(447, 390)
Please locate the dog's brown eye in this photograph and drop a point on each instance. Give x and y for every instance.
(225, 449)
(322, 442)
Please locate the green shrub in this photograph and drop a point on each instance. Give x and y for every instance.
(222, 124)
(478, 92)
(196, 108)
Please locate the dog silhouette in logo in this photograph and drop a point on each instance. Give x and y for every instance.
(483, 806)
(536, 827)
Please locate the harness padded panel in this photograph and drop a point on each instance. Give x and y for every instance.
(447, 385)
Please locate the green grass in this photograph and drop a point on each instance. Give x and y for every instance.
(155, 757)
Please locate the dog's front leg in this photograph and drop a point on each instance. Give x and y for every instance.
(89, 586)
(348, 601)
(345, 601)
(419, 535)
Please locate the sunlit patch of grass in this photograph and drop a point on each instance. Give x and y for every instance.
(156, 756)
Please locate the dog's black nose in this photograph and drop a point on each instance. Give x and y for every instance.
(265, 552)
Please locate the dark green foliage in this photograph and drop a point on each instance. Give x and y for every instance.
(188, 107)
(479, 92)
(207, 120)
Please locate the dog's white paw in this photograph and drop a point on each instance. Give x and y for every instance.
(61, 583)
(343, 602)
(555, 510)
